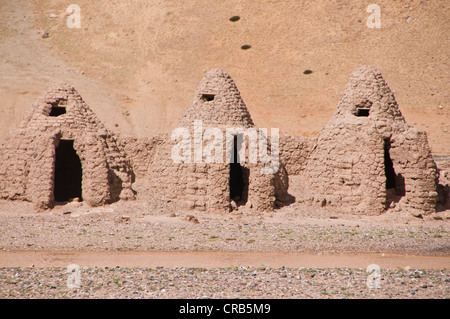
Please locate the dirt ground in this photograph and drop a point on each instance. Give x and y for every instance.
(138, 64)
(56, 239)
(140, 226)
(152, 248)
(134, 250)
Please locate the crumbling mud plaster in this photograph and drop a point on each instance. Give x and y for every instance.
(28, 155)
(365, 160)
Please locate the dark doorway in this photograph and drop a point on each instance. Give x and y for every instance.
(67, 172)
(388, 166)
(395, 184)
(239, 176)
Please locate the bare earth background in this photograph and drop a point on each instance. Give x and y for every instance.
(138, 63)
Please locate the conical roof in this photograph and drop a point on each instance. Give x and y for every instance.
(367, 95)
(61, 106)
(218, 102)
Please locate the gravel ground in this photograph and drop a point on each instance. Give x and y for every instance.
(238, 282)
(132, 227)
(136, 226)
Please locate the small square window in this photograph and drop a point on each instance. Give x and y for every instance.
(57, 111)
(58, 108)
(362, 112)
(207, 97)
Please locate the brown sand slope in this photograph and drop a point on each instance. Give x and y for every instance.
(138, 63)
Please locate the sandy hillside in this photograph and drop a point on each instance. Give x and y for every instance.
(138, 63)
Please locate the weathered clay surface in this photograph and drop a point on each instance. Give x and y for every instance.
(27, 157)
(206, 186)
(365, 160)
(347, 169)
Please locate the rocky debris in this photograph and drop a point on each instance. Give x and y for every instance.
(191, 219)
(290, 229)
(238, 282)
(417, 214)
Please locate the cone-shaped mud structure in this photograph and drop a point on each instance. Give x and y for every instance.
(203, 175)
(62, 151)
(367, 95)
(368, 159)
(365, 160)
(217, 102)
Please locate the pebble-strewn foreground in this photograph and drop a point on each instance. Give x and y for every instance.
(236, 282)
(129, 229)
